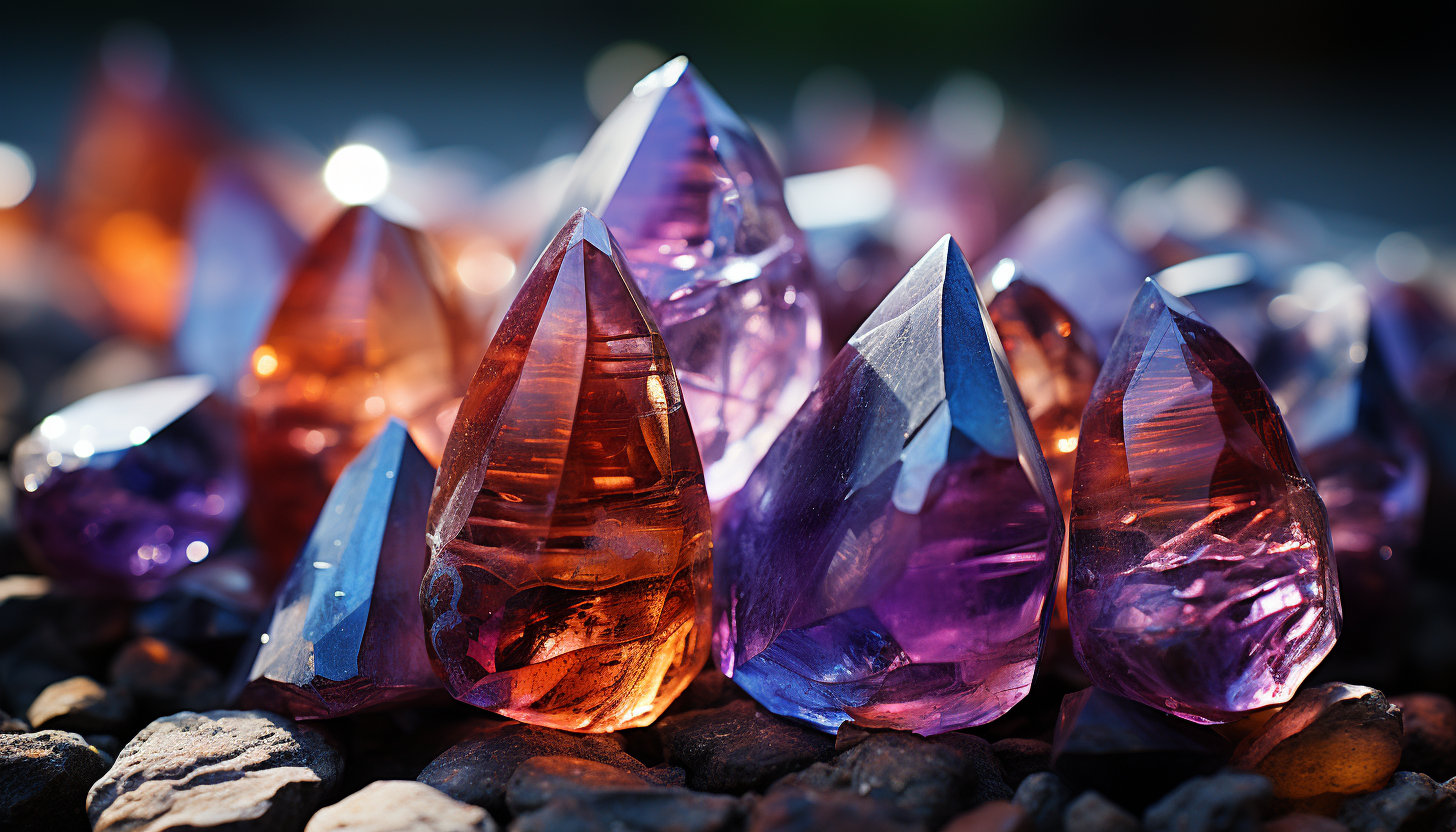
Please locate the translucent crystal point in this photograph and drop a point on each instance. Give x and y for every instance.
(1202, 580)
(697, 205)
(361, 334)
(125, 487)
(240, 251)
(569, 531)
(346, 633)
(892, 558)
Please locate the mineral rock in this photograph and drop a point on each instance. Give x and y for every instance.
(43, 780)
(1411, 803)
(797, 809)
(1044, 796)
(400, 806)
(81, 705)
(1428, 744)
(1229, 801)
(1091, 812)
(162, 678)
(738, 747)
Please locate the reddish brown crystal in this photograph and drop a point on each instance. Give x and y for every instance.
(569, 532)
(362, 334)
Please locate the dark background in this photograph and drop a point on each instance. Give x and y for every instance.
(1349, 113)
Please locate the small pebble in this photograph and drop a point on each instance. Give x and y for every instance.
(44, 777)
(1429, 743)
(738, 747)
(797, 809)
(400, 806)
(80, 705)
(1411, 803)
(995, 816)
(1044, 796)
(1230, 801)
(1091, 812)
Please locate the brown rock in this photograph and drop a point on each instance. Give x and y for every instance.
(80, 705)
(1411, 803)
(1091, 812)
(995, 816)
(540, 780)
(1304, 822)
(43, 780)
(1429, 743)
(796, 809)
(1330, 740)
(162, 678)
(739, 747)
(233, 771)
(400, 806)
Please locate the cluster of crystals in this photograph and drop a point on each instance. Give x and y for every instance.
(1202, 580)
(892, 559)
(569, 533)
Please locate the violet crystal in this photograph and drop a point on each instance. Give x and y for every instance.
(697, 205)
(123, 488)
(1202, 581)
(346, 632)
(892, 559)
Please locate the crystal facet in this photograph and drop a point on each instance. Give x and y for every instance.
(360, 335)
(346, 633)
(1202, 580)
(241, 250)
(698, 206)
(125, 487)
(892, 559)
(570, 536)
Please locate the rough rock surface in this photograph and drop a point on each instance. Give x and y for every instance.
(478, 768)
(11, 725)
(558, 794)
(1230, 801)
(995, 816)
(540, 780)
(797, 809)
(1429, 742)
(225, 770)
(1091, 812)
(738, 747)
(1044, 796)
(984, 762)
(81, 705)
(1411, 803)
(1020, 758)
(400, 806)
(162, 678)
(1330, 740)
(44, 778)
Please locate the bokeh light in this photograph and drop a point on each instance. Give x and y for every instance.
(17, 175)
(357, 174)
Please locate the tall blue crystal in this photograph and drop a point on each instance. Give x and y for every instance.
(346, 633)
(241, 250)
(892, 559)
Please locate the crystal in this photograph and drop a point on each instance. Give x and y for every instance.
(137, 153)
(1202, 578)
(1054, 361)
(1069, 243)
(240, 252)
(360, 335)
(346, 633)
(570, 537)
(125, 487)
(691, 193)
(892, 559)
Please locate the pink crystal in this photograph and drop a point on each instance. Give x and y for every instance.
(1202, 580)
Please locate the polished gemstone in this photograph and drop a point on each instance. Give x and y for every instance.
(892, 559)
(125, 487)
(1069, 244)
(570, 538)
(697, 205)
(1054, 361)
(1202, 578)
(240, 251)
(138, 151)
(346, 633)
(360, 335)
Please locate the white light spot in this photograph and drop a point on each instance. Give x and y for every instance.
(1204, 274)
(374, 405)
(84, 449)
(139, 435)
(1358, 353)
(17, 175)
(1003, 274)
(30, 483)
(741, 270)
(664, 249)
(338, 593)
(357, 174)
(322, 564)
(389, 475)
(263, 638)
(196, 551)
(847, 196)
(684, 261)
(54, 459)
(338, 543)
(52, 426)
(484, 268)
(1402, 257)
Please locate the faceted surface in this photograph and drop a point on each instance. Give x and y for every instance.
(360, 335)
(240, 252)
(697, 204)
(1202, 580)
(125, 487)
(569, 531)
(346, 633)
(136, 155)
(1054, 362)
(1069, 244)
(891, 560)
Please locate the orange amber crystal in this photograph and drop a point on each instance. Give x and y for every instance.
(361, 334)
(569, 532)
(139, 147)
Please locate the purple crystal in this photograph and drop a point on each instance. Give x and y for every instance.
(346, 633)
(892, 559)
(1069, 244)
(125, 487)
(697, 205)
(241, 251)
(1201, 580)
